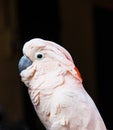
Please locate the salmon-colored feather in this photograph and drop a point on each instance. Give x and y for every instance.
(56, 90)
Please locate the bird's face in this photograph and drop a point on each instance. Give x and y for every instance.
(42, 57)
(35, 53)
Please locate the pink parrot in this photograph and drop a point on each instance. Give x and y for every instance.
(55, 88)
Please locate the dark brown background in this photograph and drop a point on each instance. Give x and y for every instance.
(84, 28)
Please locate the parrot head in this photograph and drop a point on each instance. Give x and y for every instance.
(42, 56)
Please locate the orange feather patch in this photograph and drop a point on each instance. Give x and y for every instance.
(78, 73)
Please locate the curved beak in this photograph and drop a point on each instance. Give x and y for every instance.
(24, 62)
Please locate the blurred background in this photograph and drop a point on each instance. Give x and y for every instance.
(84, 28)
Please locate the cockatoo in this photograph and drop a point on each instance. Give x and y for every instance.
(56, 89)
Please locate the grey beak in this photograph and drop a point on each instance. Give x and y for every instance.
(24, 62)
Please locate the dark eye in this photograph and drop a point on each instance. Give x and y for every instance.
(39, 56)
